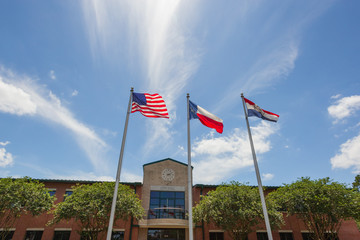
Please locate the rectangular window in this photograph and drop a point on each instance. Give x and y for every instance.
(52, 191)
(286, 236)
(6, 235)
(67, 193)
(329, 235)
(62, 235)
(33, 235)
(166, 234)
(310, 236)
(118, 235)
(167, 205)
(261, 236)
(307, 236)
(86, 235)
(216, 235)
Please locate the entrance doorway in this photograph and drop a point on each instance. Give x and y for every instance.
(166, 234)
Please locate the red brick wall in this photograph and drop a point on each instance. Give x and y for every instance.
(348, 230)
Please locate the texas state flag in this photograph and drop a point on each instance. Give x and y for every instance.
(255, 110)
(206, 118)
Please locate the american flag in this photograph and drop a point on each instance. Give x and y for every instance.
(149, 105)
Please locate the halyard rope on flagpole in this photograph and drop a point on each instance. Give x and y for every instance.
(113, 205)
(189, 171)
(266, 216)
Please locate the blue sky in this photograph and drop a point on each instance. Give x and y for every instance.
(66, 69)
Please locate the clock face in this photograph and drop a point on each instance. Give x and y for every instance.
(168, 174)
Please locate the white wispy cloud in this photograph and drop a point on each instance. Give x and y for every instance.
(74, 93)
(348, 156)
(4, 143)
(267, 176)
(52, 74)
(157, 32)
(277, 48)
(91, 176)
(130, 177)
(218, 158)
(272, 66)
(15, 100)
(83, 176)
(21, 95)
(336, 96)
(161, 35)
(267, 70)
(349, 152)
(6, 158)
(344, 107)
(169, 57)
(71, 174)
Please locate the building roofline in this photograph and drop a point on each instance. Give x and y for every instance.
(217, 185)
(206, 185)
(83, 181)
(134, 183)
(162, 160)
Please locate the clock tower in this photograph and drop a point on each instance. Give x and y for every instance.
(165, 198)
(168, 174)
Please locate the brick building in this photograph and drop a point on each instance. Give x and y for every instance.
(164, 195)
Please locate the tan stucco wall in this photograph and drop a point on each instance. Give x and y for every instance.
(153, 181)
(152, 178)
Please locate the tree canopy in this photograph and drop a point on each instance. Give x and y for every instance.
(356, 183)
(21, 196)
(356, 187)
(90, 206)
(235, 208)
(321, 204)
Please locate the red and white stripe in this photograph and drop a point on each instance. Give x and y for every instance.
(155, 107)
(255, 110)
(209, 119)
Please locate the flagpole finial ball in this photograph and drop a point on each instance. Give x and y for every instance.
(132, 89)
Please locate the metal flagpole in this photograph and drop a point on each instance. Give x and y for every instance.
(113, 205)
(266, 216)
(189, 172)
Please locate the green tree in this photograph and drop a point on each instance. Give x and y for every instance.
(356, 187)
(235, 208)
(356, 183)
(90, 206)
(21, 196)
(321, 204)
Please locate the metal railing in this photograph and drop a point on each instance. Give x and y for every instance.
(166, 212)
